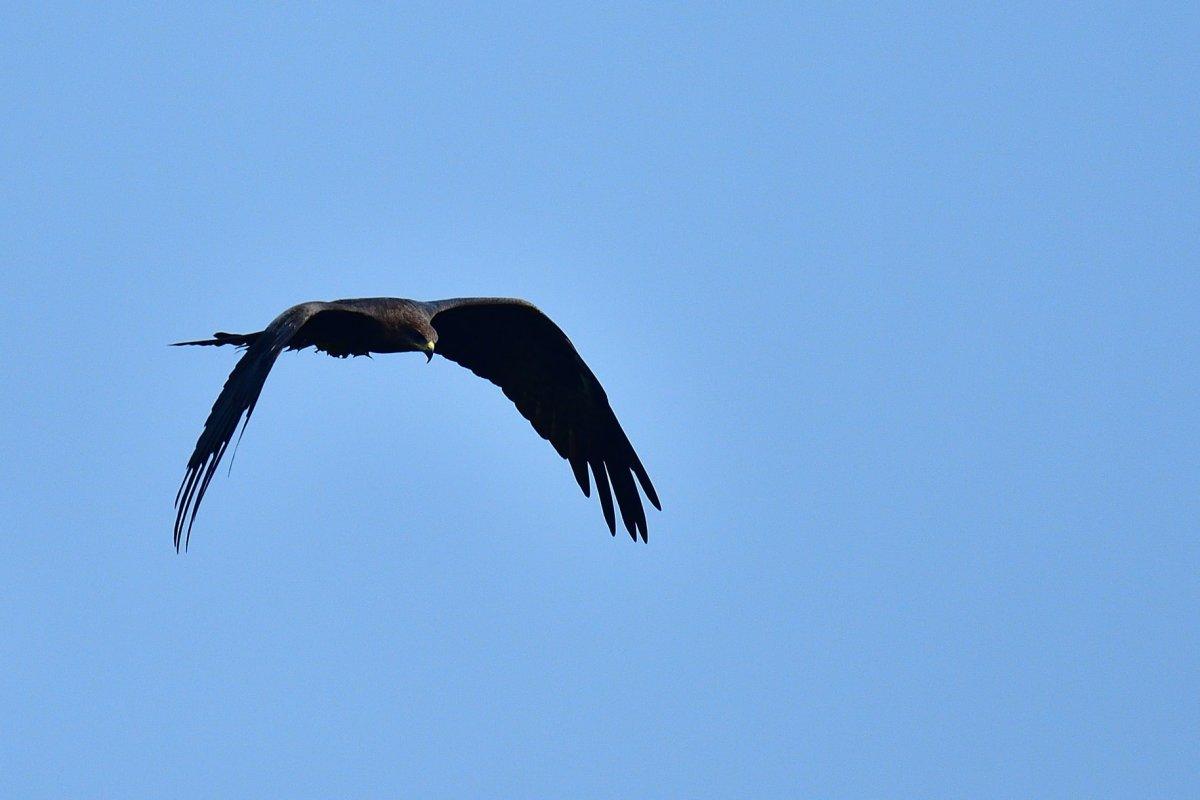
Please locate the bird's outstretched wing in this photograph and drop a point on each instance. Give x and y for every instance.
(240, 394)
(517, 347)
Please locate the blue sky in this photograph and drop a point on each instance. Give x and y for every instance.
(898, 305)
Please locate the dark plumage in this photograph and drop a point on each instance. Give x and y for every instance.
(509, 342)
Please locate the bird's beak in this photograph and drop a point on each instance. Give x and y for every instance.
(428, 352)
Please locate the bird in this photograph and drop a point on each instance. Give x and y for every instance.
(507, 341)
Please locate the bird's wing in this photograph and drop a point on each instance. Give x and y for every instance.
(238, 398)
(517, 347)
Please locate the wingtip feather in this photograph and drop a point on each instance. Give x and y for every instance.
(604, 491)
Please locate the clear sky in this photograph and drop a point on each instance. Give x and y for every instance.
(898, 305)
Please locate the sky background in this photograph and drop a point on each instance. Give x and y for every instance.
(898, 305)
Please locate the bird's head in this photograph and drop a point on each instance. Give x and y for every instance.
(423, 339)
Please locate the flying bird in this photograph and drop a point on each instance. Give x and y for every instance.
(507, 341)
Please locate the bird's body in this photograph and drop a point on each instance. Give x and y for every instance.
(507, 341)
(384, 333)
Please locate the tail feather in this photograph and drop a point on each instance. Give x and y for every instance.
(220, 338)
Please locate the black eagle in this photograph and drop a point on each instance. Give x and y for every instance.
(507, 341)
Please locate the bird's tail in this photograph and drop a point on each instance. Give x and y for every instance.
(220, 338)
